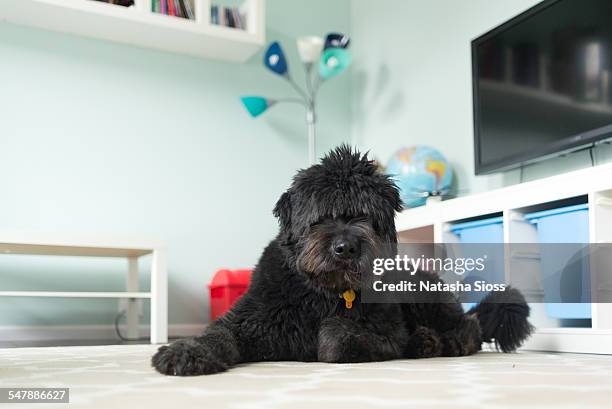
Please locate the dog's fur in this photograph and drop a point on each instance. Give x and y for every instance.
(293, 311)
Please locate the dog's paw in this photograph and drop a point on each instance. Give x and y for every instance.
(464, 340)
(186, 357)
(348, 350)
(424, 343)
(345, 341)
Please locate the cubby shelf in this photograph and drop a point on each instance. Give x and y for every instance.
(432, 222)
(138, 25)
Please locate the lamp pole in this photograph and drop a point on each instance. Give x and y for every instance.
(310, 122)
(309, 103)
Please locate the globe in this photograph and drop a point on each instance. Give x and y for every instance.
(419, 172)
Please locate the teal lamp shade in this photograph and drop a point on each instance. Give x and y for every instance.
(333, 61)
(255, 105)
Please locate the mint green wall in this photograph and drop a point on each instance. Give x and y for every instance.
(412, 82)
(103, 138)
(100, 138)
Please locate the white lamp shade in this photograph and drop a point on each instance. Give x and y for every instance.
(310, 48)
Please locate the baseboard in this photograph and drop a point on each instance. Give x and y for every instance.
(576, 340)
(86, 332)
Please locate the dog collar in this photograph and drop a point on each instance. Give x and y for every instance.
(349, 297)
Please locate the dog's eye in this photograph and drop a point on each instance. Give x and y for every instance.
(358, 219)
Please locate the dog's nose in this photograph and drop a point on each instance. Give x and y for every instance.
(346, 248)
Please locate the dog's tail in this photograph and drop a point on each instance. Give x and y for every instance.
(503, 319)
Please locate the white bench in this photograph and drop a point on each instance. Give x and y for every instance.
(36, 244)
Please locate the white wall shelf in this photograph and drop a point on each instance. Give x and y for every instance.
(139, 26)
(431, 223)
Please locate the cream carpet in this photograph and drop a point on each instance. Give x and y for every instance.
(120, 377)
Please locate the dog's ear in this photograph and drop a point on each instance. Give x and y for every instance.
(282, 211)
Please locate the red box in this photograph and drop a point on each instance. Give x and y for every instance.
(226, 287)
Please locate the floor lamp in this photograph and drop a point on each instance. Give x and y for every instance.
(330, 56)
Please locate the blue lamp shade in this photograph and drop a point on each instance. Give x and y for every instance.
(275, 59)
(333, 62)
(336, 40)
(255, 105)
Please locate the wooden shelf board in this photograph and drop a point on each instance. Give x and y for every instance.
(33, 243)
(45, 250)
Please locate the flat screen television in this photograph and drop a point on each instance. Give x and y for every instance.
(542, 84)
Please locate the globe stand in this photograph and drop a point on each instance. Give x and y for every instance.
(433, 199)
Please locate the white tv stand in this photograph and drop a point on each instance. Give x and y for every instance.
(431, 223)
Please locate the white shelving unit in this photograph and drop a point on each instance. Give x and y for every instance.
(129, 249)
(431, 223)
(139, 25)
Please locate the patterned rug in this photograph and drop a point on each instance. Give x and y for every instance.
(120, 377)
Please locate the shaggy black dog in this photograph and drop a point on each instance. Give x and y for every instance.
(334, 219)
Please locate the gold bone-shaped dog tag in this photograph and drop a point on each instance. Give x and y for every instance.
(349, 297)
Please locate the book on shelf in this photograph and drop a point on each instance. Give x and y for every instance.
(177, 8)
(237, 18)
(189, 9)
(227, 16)
(124, 3)
(214, 15)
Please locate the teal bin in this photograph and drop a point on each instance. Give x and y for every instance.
(485, 231)
(489, 230)
(565, 273)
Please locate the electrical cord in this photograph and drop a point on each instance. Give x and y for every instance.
(118, 331)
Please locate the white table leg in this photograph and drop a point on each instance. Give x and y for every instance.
(159, 297)
(132, 303)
